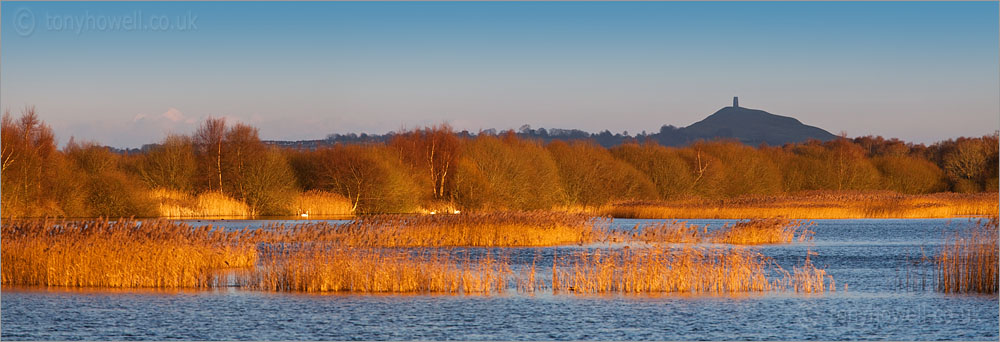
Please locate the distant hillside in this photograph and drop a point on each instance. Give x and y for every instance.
(752, 127)
(749, 126)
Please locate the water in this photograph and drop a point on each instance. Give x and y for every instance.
(871, 256)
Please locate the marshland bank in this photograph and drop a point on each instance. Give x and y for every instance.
(816, 205)
(803, 205)
(224, 169)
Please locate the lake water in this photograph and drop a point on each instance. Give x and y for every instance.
(873, 257)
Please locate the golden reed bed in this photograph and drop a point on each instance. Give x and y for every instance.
(501, 229)
(662, 270)
(325, 268)
(815, 205)
(747, 232)
(658, 269)
(968, 261)
(328, 268)
(526, 229)
(362, 256)
(124, 253)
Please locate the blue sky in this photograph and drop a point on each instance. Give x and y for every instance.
(920, 71)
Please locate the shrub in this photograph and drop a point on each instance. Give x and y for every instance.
(592, 177)
(373, 180)
(664, 167)
(508, 173)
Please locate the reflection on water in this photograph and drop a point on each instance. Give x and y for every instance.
(869, 255)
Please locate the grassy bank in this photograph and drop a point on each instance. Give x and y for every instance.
(815, 205)
(805, 205)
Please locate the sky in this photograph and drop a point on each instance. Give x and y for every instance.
(918, 71)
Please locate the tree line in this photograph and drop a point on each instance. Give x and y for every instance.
(435, 167)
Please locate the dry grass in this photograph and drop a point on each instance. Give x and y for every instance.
(526, 279)
(661, 270)
(315, 203)
(176, 204)
(763, 231)
(807, 278)
(123, 253)
(502, 229)
(686, 270)
(368, 256)
(968, 261)
(668, 232)
(323, 268)
(749, 232)
(816, 205)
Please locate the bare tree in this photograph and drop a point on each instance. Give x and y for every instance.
(434, 150)
(372, 179)
(208, 141)
(27, 145)
(169, 165)
(242, 147)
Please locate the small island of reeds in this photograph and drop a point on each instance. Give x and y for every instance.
(394, 253)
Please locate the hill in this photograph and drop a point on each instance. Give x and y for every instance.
(750, 126)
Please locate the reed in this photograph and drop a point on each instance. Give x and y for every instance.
(176, 204)
(814, 205)
(527, 281)
(371, 255)
(329, 268)
(321, 203)
(499, 229)
(763, 231)
(124, 253)
(807, 278)
(668, 232)
(685, 270)
(967, 262)
(748, 232)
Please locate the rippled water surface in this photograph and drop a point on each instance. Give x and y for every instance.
(889, 296)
